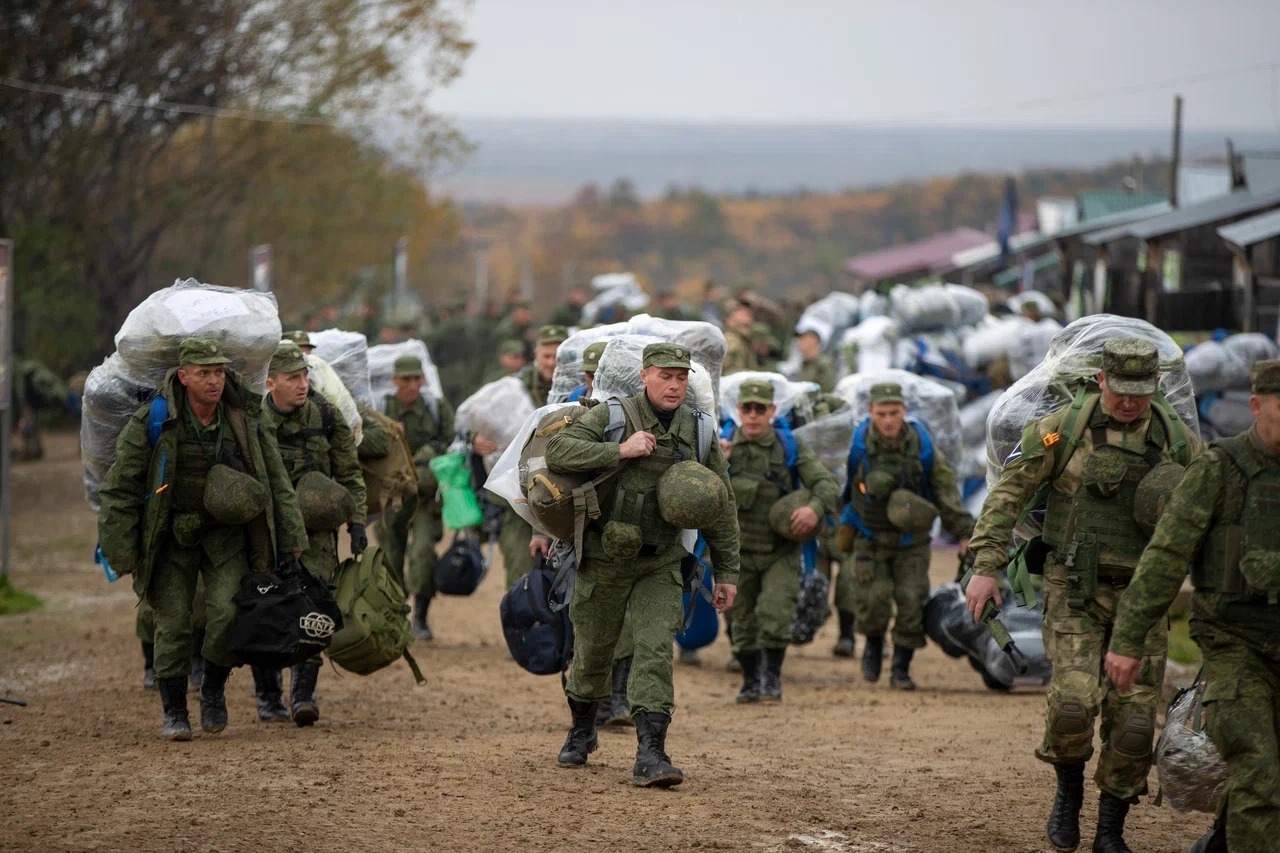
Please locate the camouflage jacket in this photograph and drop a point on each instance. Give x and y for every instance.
(420, 427)
(818, 370)
(738, 354)
(531, 379)
(305, 446)
(758, 470)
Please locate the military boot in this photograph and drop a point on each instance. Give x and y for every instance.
(750, 691)
(148, 666)
(267, 687)
(421, 630)
(900, 669)
(1063, 829)
(302, 689)
(653, 767)
(771, 675)
(1110, 835)
(173, 696)
(213, 698)
(844, 645)
(872, 657)
(619, 707)
(582, 740)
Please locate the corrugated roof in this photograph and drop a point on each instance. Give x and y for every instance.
(1253, 230)
(1011, 276)
(1123, 218)
(1095, 204)
(929, 255)
(1236, 204)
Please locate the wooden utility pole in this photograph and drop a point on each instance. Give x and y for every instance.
(1176, 159)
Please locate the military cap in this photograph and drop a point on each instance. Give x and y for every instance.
(756, 391)
(510, 348)
(299, 337)
(887, 392)
(288, 358)
(1265, 376)
(1131, 366)
(665, 355)
(552, 335)
(407, 365)
(591, 356)
(201, 351)
(760, 331)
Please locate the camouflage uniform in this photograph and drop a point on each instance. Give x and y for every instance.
(818, 370)
(1229, 491)
(738, 354)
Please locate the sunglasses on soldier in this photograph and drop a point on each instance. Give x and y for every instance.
(753, 408)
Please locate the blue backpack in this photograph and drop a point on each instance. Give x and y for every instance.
(858, 454)
(701, 623)
(538, 632)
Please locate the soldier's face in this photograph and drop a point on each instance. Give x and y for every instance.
(1125, 408)
(408, 388)
(288, 390)
(889, 419)
(590, 381)
(665, 386)
(756, 418)
(204, 383)
(809, 346)
(1266, 414)
(545, 356)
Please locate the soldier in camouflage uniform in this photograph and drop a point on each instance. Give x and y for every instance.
(1221, 524)
(1089, 459)
(738, 353)
(158, 522)
(660, 430)
(428, 427)
(767, 348)
(890, 567)
(517, 326)
(510, 361)
(814, 366)
(313, 438)
(769, 581)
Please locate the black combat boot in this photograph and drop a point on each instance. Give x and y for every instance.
(750, 691)
(421, 630)
(302, 690)
(268, 689)
(197, 661)
(844, 645)
(582, 740)
(619, 707)
(771, 675)
(213, 698)
(148, 666)
(1110, 835)
(900, 669)
(1063, 829)
(653, 768)
(173, 696)
(872, 657)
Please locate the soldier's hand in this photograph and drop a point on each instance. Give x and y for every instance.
(1122, 670)
(539, 546)
(726, 447)
(639, 445)
(359, 538)
(722, 595)
(964, 547)
(484, 446)
(803, 520)
(981, 590)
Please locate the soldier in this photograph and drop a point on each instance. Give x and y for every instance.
(814, 367)
(517, 326)
(510, 361)
(1089, 459)
(300, 337)
(319, 452)
(590, 363)
(769, 582)
(1221, 524)
(537, 377)
(145, 629)
(899, 481)
(632, 553)
(569, 313)
(738, 353)
(428, 425)
(766, 347)
(170, 516)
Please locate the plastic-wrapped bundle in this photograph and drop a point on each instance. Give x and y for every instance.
(619, 373)
(615, 289)
(495, 411)
(971, 305)
(973, 419)
(919, 309)
(1075, 354)
(1192, 774)
(326, 382)
(705, 340)
(830, 437)
(1030, 344)
(110, 399)
(1225, 365)
(991, 340)
(1042, 303)
(1251, 347)
(382, 362)
(929, 402)
(1229, 413)
(972, 462)
(872, 304)
(871, 343)
(569, 375)
(348, 354)
(830, 316)
(947, 622)
(504, 474)
(785, 392)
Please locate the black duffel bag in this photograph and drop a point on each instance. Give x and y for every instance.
(283, 617)
(460, 569)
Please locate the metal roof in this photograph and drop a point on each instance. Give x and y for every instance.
(1095, 204)
(923, 256)
(1253, 230)
(1122, 218)
(1239, 203)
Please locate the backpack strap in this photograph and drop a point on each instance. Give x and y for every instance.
(1175, 429)
(926, 458)
(1073, 427)
(790, 450)
(857, 453)
(617, 421)
(156, 416)
(704, 434)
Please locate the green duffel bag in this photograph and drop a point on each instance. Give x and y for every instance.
(375, 617)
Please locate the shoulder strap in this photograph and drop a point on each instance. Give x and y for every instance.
(926, 447)
(617, 421)
(326, 413)
(1175, 429)
(703, 433)
(790, 452)
(158, 414)
(1073, 427)
(857, 453)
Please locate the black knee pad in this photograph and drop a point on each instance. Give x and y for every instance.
(1133, 738)
(1071, 717)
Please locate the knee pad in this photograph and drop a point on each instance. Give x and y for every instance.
(1133, 737)
(1071, 717)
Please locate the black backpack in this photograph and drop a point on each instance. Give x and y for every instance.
(536, 627)
(283, 617)
(461, 568)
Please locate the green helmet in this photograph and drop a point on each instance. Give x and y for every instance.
(780, 514)
(621, 541)
(325, 504)
(232, 497)
(691, 496)
(879, 484)
(427, 483)
(1104, 471)
(1153, 494)
(911, 513)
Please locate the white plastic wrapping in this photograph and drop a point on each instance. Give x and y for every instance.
(348, 354)
(1192, 774)
(382, 361)
(871, 343)
(785, 392)
(504, 475)
(936, 306)
(110, 399)
(1221, 366)
(991, 339)
(324, 379)
(496, 411)
(619, 373)
(929, 402)
(1229, 413)
(569, 375)
(872, 304)
(705, 340)
(614, 289)
(1030, 345)
(830, 316)
(971, 305)
(973, 419)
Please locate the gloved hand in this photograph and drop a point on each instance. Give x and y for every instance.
(359, 539)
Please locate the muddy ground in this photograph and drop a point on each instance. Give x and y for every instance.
(468, 762)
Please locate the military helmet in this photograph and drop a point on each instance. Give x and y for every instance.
(621, 541)
(1104, 471)
(1153, 494)
(232, 497)
(325, 503)
(780, 514)
(879, 484)
(691, 496)
(911, 513)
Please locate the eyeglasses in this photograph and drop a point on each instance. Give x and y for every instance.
(753, 408)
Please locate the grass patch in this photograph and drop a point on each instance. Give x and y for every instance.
(1182, 648)
(14, 600)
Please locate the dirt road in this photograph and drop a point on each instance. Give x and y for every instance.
(468, 762)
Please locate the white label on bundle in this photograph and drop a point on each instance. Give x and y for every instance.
(195, 309)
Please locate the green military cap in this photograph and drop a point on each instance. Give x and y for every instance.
(1131, 366)
(510, 348)
(407, 365)
(201, 351)
(760, 331)
(552, 335)
(756, 391)
(299, 337)
(288, 358)
(591, 356)
(887, 392)
(665, 355)
(1265, 376)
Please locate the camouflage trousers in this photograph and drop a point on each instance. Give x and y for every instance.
(144, 622)
(765, 605)
(513, 541)
(604, 596)
(1076, 641)
(838, 571)
(1242, 703)
(395, 530)
(890, 582)
(171, 593)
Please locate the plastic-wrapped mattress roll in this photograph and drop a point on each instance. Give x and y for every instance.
(382, 361)
(705, 340)
(619, 373)
(495, 411)
(785, 392)
(324, 379)
(348, 354)
(930, 402)
(569, 375)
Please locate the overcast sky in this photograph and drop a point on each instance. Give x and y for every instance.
(912, 61)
